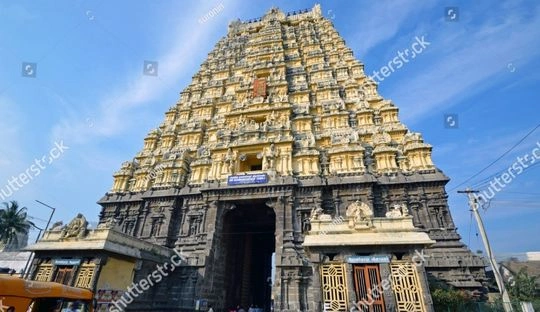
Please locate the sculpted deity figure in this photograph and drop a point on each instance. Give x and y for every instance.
(404, 210)
(354, 136)
(316, 213)
(284, 122)
(230, 158)
(270, 155)
(311, 140)
(358, 213)
(341, 103)
(397, 211)
(270, 120)
(241, 122)
(75, 228)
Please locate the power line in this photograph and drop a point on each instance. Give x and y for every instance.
(484, 182)
(36, 218)
(498, 158)
(524, 203)
(488, 178)
(523, 193)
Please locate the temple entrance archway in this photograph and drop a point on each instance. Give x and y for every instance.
(249, 241)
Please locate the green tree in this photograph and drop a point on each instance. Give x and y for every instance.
(447, 299)
(522, 287)
(13, 221)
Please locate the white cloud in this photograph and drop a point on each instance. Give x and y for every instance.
(468, 61)
(116, 104)
(379, 21)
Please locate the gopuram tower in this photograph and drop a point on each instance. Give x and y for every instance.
(288, 182)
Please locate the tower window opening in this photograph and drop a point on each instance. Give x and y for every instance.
(252, 162)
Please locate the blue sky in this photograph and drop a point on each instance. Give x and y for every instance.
(88, 93)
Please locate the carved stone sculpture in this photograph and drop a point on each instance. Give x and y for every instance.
(76, 228)
(359, 213)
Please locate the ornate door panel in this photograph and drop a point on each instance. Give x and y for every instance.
(334, 287)
(407, 288)
(44, 272)
(85, 276)
(368, 289)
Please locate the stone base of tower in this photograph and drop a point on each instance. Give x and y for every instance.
(277, 245)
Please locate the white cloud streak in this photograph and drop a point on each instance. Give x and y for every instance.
(380, 21)
(117, 103)
(468, 61)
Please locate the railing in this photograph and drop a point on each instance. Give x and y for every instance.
(482, 307)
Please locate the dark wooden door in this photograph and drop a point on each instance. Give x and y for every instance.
(64, 275)
(368, 288)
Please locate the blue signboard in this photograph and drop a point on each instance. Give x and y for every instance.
(67, 261)
(369, 259)
(259, 178)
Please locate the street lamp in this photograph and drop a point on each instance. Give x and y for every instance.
(41, 231)
(50, 217)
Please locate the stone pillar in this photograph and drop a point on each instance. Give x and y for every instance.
(422, 276)
(388, 293)
(314, 299)
(278, 287)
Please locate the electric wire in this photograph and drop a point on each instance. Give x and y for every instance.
(497, 159)
(484, 182)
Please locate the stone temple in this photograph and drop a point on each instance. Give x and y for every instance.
(288, 182)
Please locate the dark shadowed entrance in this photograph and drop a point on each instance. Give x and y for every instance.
(248, 232)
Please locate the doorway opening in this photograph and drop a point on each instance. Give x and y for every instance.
(248, 232)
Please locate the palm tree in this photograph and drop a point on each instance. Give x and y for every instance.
(13, 221)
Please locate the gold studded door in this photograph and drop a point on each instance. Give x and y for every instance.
(406, 287)
(334, 287)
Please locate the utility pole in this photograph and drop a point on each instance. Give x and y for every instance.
(473, 204)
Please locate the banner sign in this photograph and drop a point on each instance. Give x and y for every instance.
(67, 261)
(369, 259)
(259, 178)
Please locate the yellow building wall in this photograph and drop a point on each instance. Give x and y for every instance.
(116, 274)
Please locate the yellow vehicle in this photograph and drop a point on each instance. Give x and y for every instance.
(20, 295)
